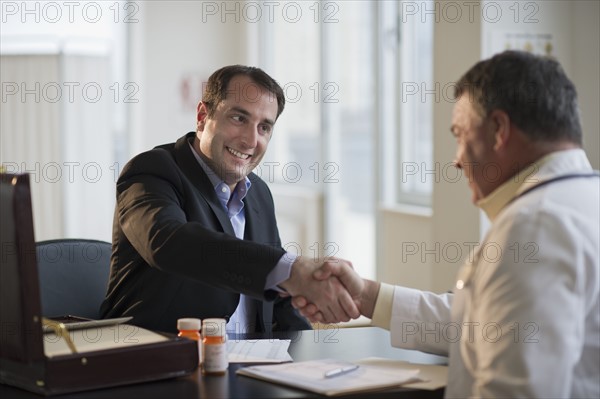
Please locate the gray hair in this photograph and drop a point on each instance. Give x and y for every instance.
(533, 90)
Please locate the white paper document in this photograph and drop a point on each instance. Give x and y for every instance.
(259, 351)
(311, 376)
(432, 376)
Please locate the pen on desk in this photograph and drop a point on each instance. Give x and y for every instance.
(340, 371)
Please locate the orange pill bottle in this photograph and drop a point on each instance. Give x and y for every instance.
(190, 328)
(214, 347)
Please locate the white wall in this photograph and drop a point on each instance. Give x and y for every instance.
(174, 41)
(455, 222)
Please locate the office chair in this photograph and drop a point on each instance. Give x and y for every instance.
(73, 276)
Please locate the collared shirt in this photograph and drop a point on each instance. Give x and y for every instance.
(527, 321)
(497, 199)
(233, 203)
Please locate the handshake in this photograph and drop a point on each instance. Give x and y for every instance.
(329, 290)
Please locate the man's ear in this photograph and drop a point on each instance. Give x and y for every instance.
(501, 123)
(201, 114)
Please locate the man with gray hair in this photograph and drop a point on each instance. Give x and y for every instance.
(527, 322)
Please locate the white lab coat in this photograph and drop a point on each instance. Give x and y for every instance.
(527, 321)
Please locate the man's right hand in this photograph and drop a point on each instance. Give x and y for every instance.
(363, 292)
(335, 301)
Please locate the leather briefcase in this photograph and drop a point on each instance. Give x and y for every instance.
(24, 358)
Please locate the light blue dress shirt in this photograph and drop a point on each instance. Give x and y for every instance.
(243, 319)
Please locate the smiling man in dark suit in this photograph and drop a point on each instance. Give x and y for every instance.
(195, 233)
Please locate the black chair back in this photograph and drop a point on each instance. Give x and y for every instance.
(73, 276)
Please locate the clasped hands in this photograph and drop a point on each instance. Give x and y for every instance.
(327, 290)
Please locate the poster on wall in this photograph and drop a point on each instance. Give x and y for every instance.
(536, 43)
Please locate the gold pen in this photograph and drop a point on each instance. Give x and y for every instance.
(60, 330)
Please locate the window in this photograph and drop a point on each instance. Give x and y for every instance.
(325, 140)
(64, 109)
(416, 90)
(357, 128)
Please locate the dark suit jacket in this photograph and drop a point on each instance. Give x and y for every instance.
(175, 253)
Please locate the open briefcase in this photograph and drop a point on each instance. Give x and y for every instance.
(63, 361)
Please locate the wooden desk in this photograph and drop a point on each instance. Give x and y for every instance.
(344, 344)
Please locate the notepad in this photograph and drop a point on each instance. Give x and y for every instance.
(100, 338)
(310, 375)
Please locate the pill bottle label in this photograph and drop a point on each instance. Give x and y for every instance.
(214, 358)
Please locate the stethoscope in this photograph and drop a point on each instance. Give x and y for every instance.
(469, 269)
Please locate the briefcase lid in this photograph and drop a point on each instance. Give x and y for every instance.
(20, 306)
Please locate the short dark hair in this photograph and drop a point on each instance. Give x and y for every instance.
(533, 90)
(217, 85)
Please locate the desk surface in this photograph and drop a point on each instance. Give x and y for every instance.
(344, 344)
